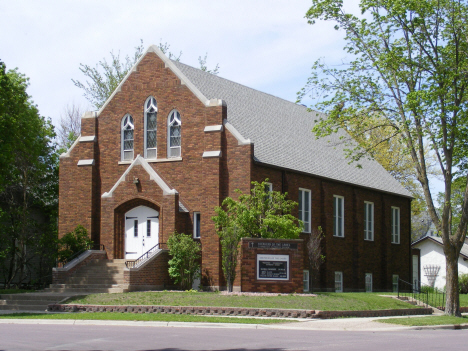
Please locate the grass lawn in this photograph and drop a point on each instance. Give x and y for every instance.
(14, 291)
(420, 321)
(464, 300)
(323, 301)
(154, 317)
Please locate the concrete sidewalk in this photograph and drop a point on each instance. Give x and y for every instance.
(341, 324)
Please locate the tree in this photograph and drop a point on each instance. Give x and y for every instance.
(314, 251)
(184, 265)
(409, 63)
(28, 178)
(70, 127)
(103, 79)
(260, 214)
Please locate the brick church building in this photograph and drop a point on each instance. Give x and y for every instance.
(173, 141)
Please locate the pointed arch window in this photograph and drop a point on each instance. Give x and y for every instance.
(151, 114)
(127, 138)
(174, 134)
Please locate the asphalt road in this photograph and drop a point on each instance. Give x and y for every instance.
(16, 337)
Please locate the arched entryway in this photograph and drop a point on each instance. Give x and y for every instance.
(141, 231)
(128, 236)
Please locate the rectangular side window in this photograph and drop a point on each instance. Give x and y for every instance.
(395, 225)
(135, 228)
(338, 216)
(395, 282)
(368, 282)
(305, 279)
(368, 221)
(196, 224)
(148, 227)
(338, 282)
(305, 204)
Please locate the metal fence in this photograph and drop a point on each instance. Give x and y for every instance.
(417, 293)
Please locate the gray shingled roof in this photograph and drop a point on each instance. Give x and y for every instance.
(438, 240)
(281, 133)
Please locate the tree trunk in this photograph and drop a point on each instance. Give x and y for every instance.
(452, 304)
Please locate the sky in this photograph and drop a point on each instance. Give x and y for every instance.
(266, 45)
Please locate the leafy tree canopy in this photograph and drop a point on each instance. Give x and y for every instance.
(408, 66)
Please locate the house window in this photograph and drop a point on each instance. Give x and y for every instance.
(127, 138)
(151, 114)
(196, 224)
(135, 228)
(304, 208)
(148, 227)
(174, 135)
(338, 281)
(338, 216)
(305, 279)
(395, 225)
(368, 282)
(368, 221)
(395, 282)
(268, 187)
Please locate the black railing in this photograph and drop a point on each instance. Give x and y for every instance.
(147, 255)
(424, 294)
(63, 263)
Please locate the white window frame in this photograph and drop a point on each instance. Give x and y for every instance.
(339, 281)
(368, 282)
(395, 278)
(338, 222)
(269, 185)
(305, 280)
(395, 225)
(368, 221)
(123, 125)
(305, 218)
(196, 225)
(153, 105)
(169, 125)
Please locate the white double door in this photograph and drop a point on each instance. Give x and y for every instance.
(141, 231)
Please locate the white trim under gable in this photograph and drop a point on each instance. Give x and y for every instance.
(139, 160)
(89, 162)
(215, 128)
(240, 139)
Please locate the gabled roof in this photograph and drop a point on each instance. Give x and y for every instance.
(282, 134)
(438, 240)
(281, 130)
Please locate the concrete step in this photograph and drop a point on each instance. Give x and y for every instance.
(86, 280)
(87, 290)
(23, 307)
(84, 286)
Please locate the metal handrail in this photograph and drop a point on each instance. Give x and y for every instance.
(147, 255)
(428, 295)
(61, 264)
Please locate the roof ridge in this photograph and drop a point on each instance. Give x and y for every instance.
(242, 85)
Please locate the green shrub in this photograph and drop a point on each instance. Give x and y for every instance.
(463, 283)
(184, 265)
(73, 242)
(427, 289)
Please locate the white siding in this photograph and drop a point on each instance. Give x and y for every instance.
(433, 254)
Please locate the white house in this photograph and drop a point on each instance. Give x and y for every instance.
(429, 260)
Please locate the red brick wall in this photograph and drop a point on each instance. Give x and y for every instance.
(351, 254)
(249, 281)
(153, 275)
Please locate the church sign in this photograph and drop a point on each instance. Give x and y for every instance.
(272, 267)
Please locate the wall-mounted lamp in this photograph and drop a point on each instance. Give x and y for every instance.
(136, 180)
